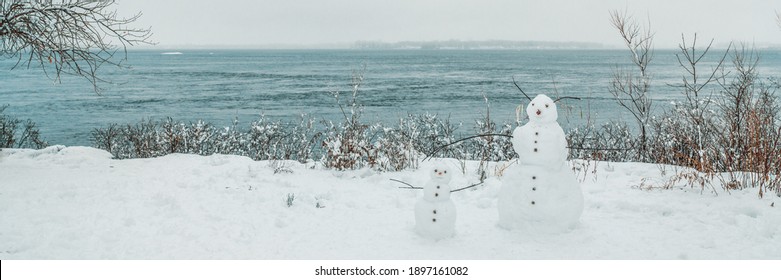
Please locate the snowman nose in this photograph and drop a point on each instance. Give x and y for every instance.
(439, 173)
(539, 112)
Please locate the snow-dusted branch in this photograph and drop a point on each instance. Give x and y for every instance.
(632, 91)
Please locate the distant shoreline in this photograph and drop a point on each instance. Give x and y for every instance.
(403, 45)
(476, 45)
(184, 50)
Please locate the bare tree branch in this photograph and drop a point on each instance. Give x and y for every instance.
(778, 19)
(695, 109)
(74, 37)
(632, 91)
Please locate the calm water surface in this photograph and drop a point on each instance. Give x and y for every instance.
(220, 85)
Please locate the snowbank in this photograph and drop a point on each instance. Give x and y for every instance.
(78, 203)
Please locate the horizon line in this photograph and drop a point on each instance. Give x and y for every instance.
(388, 45)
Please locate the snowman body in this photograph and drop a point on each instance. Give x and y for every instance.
(435, 212)
(540, 193)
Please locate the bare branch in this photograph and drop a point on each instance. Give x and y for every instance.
(74, 37)
(778, 19)
(464, 139)
(408, 184)
(632, 91)
(519, 88)
(470, 186)
(566, 97)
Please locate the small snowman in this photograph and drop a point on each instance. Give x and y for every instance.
(540, 193)
(435, 213)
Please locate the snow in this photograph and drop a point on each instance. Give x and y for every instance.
(78, 203)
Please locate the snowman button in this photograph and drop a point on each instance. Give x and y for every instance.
(435, 211)
(535, 141)
(534, 177)
(437, 187)
(435, 220)
(534, 189)
(536, 133)
(532, 202)
(436, 194)
(535, 150)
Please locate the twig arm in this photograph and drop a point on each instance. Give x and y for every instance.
(462, 140)
(519, 88)
(470, 186)
(410, 186)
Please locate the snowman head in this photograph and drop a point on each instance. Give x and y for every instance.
(440, 172)
(542, 109)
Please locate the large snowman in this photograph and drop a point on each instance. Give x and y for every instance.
(435, 213)
(540, 193)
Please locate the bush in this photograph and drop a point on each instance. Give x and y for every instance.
(731, 137)
(14, 136)
(612, 141)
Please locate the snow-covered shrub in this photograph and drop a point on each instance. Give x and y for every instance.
(749, 128)
(395, 150)
(350, 143)
(172, 135)
(146, 139)
(264, 139)
(727, 133)
(199, 138)
(490, 147)
(613, 141)
(274, 140)
(347, 146)
(429, 134)
(109, 139)
(301, 139)
(230, 140)
(414, 137)
(12, 137)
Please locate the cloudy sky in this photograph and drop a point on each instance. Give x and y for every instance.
(323, 22)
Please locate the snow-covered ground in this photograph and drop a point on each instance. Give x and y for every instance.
(78, 203)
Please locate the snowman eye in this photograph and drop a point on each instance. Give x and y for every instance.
(435, 171)
(445, 171)
(546, 105)
(532, 104)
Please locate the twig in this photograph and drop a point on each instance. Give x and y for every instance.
(470, 186)
(566, 97)
(462, 140)
(410, 186)
(519, 88)
(510, 136)
(601, 149)
(419, 188)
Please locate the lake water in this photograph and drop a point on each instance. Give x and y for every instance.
(220, 85)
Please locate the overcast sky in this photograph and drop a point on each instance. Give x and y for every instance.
(319, 22)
